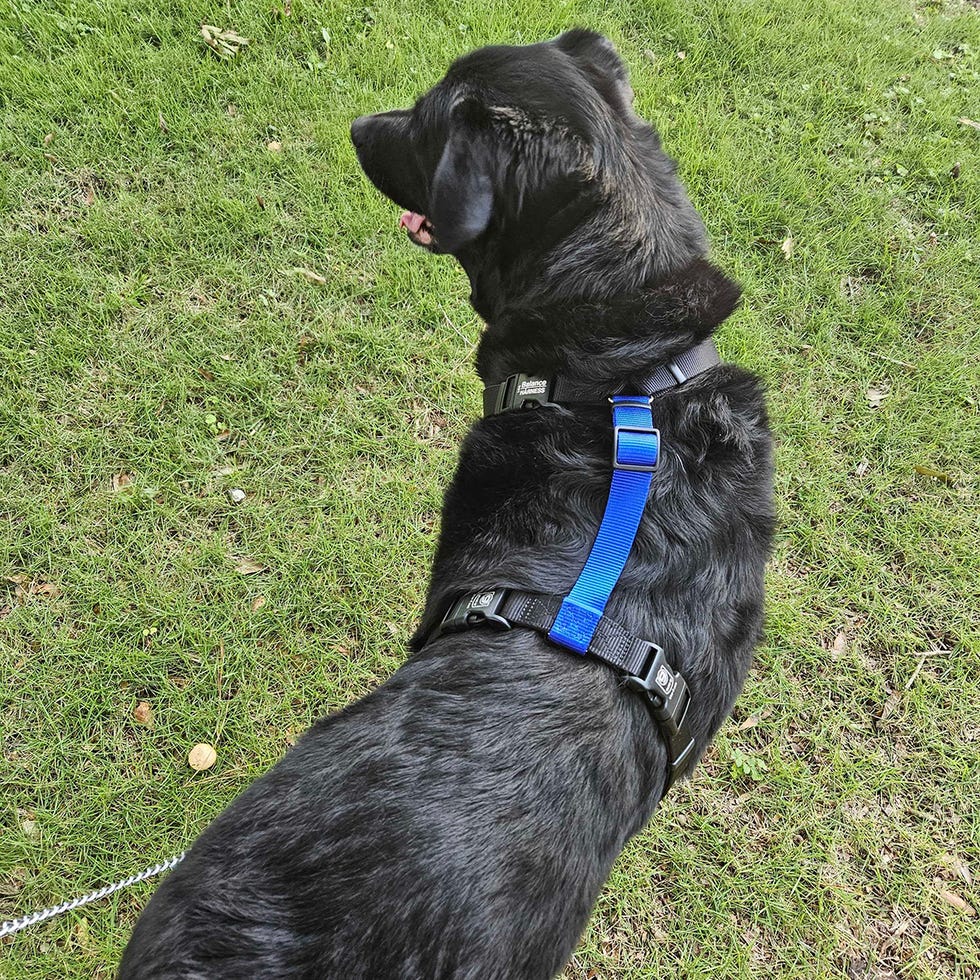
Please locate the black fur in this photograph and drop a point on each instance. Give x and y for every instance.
(460, 821)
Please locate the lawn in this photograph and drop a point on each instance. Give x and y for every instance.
(200, 293)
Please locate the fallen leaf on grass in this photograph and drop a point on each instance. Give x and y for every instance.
(50, 157)
(120, 481)
(201, 757)
(24, 588)
(260, 201)
(274, 146)
(963, 121)
(49, 139)
(88, 195)
(224, 42)
(951, 898)
(839, 645)
(890, 706)
(935, 474)
(249, 566)
(143, 714)
(960, 867)
(876, 396)
(862, 467)
(308, 274)
(162, 123)
(787, 247)
(258, 602)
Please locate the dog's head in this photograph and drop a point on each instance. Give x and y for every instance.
(521, 149)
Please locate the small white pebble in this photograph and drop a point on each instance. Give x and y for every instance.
(236, 496)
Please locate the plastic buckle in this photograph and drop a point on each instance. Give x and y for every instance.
(475, 609)
(524, 391)
(669, 698)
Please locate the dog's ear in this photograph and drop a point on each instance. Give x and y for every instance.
(461, 199)
(598, 58)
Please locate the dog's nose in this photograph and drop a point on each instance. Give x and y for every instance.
(358, 130)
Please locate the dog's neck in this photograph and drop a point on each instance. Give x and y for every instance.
(607, 341)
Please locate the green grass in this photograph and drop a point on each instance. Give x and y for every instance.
(152, 325)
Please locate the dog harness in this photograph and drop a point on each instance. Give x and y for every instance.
(577, 621)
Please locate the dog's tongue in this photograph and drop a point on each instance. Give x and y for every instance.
(412, 221)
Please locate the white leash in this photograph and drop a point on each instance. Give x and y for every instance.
(15, 925)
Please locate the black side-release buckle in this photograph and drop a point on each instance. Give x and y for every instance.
(475, 609)
(518, 391)
(668, 696)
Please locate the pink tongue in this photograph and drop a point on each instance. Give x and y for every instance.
(412, 221)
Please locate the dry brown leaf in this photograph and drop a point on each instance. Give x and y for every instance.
(50, 157)
(963, 121)
(47, 590)
(787, 247)
(224, 42)
(249, 566)
(258, 602)
(143, 714)
(951, 898)
(839, 645)
(48, 139)
(749, 722)
(162, 123)
(274, 146)
(88, 195)
(121, 481)
(890, 706)
(201, 757)
(260, 201)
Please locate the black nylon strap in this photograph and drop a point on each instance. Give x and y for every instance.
(522, 390)
(611, 643)
(643, 664)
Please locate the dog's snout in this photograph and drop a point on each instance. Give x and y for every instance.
(358, 130)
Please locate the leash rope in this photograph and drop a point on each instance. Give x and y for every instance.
(11, 926)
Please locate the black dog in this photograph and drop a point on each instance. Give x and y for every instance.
(460, 821)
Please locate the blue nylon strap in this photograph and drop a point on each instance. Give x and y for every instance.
(636, 448)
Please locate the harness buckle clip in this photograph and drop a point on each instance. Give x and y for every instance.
(475, 609)
(520, 391)
(668, 699)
